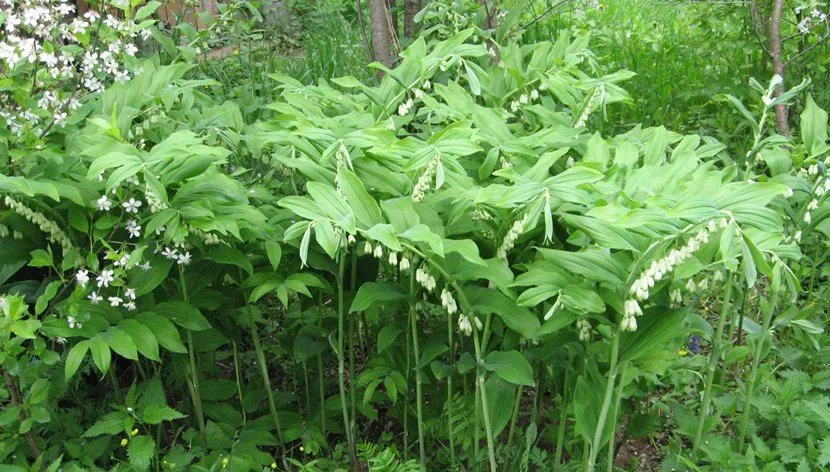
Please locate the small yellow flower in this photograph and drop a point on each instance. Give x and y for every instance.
(302, 449)
(134, 432)
(124, 442)
(274, 465)
(682, 352)
(225, 462)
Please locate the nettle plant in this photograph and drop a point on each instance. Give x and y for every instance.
(511, 250)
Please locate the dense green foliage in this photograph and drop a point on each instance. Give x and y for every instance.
(509, 252)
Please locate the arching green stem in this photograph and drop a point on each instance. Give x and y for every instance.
(714, 358)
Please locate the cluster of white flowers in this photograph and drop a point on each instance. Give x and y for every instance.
(510, 238)
(54, 233)
(33, 35)
(425, 279)
(482, 215)
(663, 267)
(342, 160)
(178, 253)
(209, 239)
(404, 107)
(525, 99)
(589, 107)
(465, 326)
(808, 22)
(448, 302)
(154, 201)
(425, 180)
(584, 327)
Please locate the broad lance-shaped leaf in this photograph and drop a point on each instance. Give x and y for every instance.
(230, 256)
(365, 208)
(75, 358)
(605, 234)
(373, 293)
(519, 319)
(183, 314)
(657, 329)
(385, 234)
(511, 366)
(814, 128)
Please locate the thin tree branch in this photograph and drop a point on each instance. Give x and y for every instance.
(818, 43)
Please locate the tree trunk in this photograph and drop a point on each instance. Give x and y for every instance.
(410, 9)
(781, 119)
(380, 33)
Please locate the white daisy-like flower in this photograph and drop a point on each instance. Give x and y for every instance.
(130, 306)
(104, 204)
(170, 253)
(133, 228)
(184, 258)
(145, 266)
(95, 298)
(132, 205)
(130, 293)
(71, 321)
(115, 301)
(82, 277)
(105, 278)
(60, 340)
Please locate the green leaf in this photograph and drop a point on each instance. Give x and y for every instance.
(373, 293)
(274, 252)
(43, 300)
(111, 424)
(155, 414)
(814, 128)
(40, 258)
(605, 234)
(307, 346)
(422, 233)
(472, 80)
(147, 10)
(657, 328)
(501, 396)
(166, 333)
(385, 234)
(231, 256)
(582, 300)
(25, 328)
(143, 338)
(304, 244)
(100, 353)
(119, 341)
(512, 366)
(74, 358)
(365, 208)
(519, 319)
(183, 314)
(430, 352)
(387, 336)
(141, 451)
